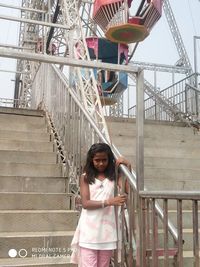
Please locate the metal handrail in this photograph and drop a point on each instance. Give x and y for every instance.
(132, 181)
(148, 199)
(192, 87)
(7, 102)
(178, 98)
(183, 195)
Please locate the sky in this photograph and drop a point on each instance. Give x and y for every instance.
(161, 42)
(9, 35)
(159, 47)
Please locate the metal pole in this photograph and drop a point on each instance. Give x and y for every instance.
(195, 233)
(35, 22)
(195, 57)
(140, 131)
(140, 161)
(15, 47)
(195, 70)
(180, 232)
(10, 53)
(22, 8)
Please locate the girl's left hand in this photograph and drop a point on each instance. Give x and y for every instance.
(122, 160)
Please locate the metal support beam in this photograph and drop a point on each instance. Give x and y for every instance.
(88, 1)
(195, 57)
(140, 156)
(159, 67)
(140, 131)
(15, 47)
(176, 35)
(35, 22)
(11, 71)
(22, 8)
(196, 70)
(65, 61)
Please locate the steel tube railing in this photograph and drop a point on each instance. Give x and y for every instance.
(195, 232)
(179, 197)
(183, 94)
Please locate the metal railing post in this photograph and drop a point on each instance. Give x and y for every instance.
(195, 57)
(140, 131)
(140, 157)
(196, 70)
(195, 232)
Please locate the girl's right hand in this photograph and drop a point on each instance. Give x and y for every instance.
(117, 201)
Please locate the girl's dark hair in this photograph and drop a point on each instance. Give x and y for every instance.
(89, 168)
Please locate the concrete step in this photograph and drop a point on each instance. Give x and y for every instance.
(164, 152)
(188, 260)
(35, 201)
(38, 220)
(33, 184)
(180, 183)
(24, 136)
(167, 162)
(37, 261)
(177, 163)
(167, 173)
(22, 117)
(118, 131)
(34, 170)
(21, 111)
(187, 237)
(187, 218)
(27, 157)
(172, 204)
(129, 128)
(22, 123)
(155, 123)
(34, 244)
(159, 141)
(126, 133)
(33, 146)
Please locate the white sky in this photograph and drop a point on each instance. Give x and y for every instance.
(9, 35)
(159, 47)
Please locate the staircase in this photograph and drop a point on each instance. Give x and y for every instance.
(37, 219)
(171, 162)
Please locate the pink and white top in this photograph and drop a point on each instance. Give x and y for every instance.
(96, 228)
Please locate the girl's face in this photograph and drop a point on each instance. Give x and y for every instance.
(100, 161)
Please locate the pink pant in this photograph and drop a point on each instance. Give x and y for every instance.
(95, 258)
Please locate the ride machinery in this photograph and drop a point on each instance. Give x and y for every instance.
(120, 29)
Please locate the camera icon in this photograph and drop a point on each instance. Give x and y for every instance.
(22, 253)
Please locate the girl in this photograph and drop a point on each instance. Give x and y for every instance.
(96, 234)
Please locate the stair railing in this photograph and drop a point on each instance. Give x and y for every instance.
(169, 200)
(76, 132)
(10, 103)
(179, 94)
(191, 90)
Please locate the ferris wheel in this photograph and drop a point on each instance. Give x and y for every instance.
(106, 28)
(98, 30)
